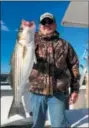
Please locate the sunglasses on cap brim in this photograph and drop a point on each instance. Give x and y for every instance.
(47, 21)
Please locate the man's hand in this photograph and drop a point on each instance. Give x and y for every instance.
(73, 98)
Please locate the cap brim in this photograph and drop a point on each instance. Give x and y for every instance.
(47, 17)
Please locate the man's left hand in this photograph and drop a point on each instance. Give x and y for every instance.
(73, 98)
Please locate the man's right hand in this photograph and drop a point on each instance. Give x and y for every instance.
(73, 98)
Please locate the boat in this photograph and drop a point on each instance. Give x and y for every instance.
(79, 110)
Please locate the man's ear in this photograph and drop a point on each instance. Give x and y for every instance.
(39, 26)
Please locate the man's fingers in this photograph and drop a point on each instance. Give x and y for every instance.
(70, 101)
(73, 100)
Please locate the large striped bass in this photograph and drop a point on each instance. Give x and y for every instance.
(22, 61)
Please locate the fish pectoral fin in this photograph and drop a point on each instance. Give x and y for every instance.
(16, 109)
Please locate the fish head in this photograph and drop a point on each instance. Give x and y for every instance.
(27, 32)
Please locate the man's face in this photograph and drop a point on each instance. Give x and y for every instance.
(47, 26)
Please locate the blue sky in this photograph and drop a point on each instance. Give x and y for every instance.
(13, 12)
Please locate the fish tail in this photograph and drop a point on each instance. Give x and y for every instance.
(16, 109)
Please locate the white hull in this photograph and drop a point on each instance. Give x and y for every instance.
(75, 117)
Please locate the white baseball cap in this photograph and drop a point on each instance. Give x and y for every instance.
(47, 15)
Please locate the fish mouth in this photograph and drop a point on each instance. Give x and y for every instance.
(28, 24)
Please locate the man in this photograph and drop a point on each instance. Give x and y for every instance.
(49, 80)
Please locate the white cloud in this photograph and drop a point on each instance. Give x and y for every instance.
(3, 26)
(1, 22)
